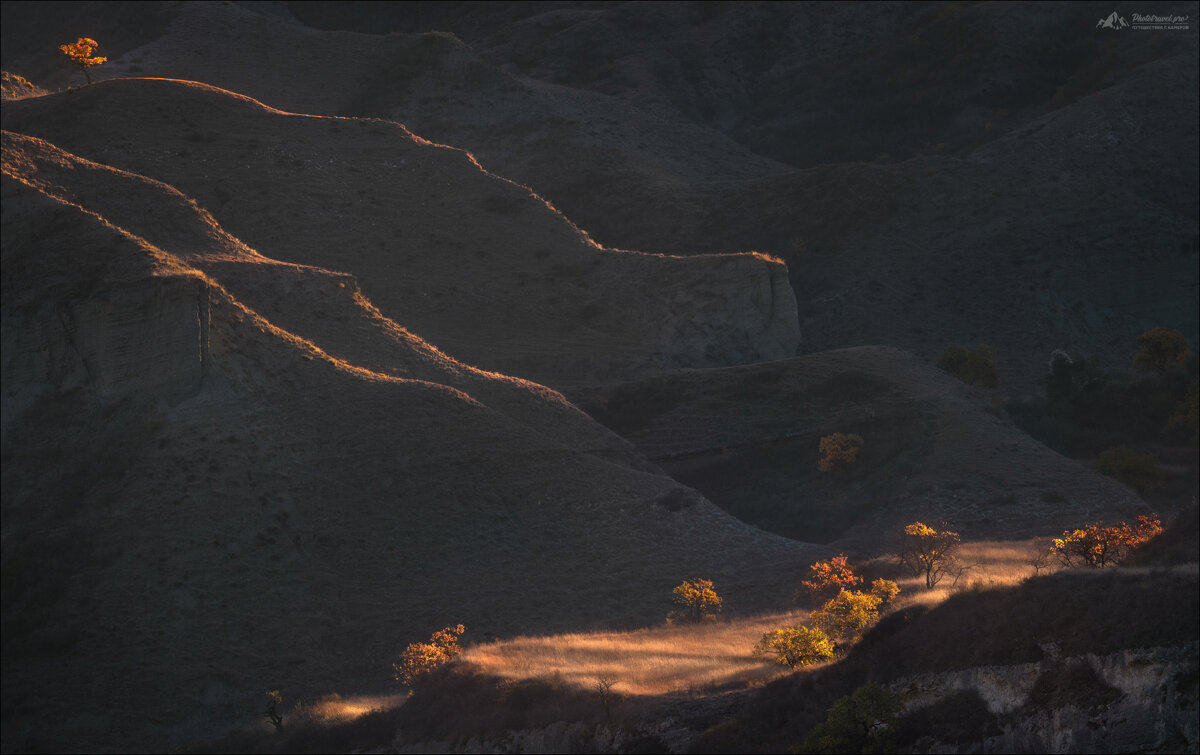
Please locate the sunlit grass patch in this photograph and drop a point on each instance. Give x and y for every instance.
(652, 661)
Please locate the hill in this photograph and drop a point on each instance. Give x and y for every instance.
(225, 473)
(933, 177)
(933, 450)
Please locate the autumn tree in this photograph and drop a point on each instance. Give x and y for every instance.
(1160, 349)
(697, 601)
(886, 590)
(846, 616)
(420, 659)
(825, 579)
(838, 451)
(930, 552)
(1099, 545)
(795, 646)
(82, 53)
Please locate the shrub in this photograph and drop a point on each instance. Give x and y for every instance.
(1160, 350)
(972, 366)
(863, 721)
(1100, 545)
(886, 590)
(421, 658)
(698, 602)
(847, 616)
(826, 579)
(795, 646)
(929, 552)
(1137, 470)
(839, 450)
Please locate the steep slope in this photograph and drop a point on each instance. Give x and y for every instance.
(897, 157)
(518, 289)
(201, 505)
(933, 449)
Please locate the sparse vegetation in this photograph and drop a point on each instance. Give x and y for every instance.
(795, 646)
(82, 52)
(1139, 471)
(825, 579)
(1099, 545)
(420, 659)
(839, 451)
(697, 601)
(929, 552)
(272, 714)
(972, 366)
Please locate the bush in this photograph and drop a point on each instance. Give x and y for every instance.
(698, 602)
(1100, 545)
(795, 646)
(826, 579)
(1137, 470)
(973, 367)
(1160, 350)
(839, 450)
(421, 658)
(863, 721)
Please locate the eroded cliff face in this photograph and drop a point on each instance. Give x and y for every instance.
(1143, 700)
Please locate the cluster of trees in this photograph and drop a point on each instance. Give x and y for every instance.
(843, 616)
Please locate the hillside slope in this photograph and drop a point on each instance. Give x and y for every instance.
(933, 450)
(517, 289)
(932, 177)
(225, 474)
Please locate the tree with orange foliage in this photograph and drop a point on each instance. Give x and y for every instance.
(82, 53)
(698, 600)
(839, 450)
(826, 579)
(420, 658)
(1099, 545)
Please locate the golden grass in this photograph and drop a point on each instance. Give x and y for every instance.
(652, 661)
(691, 658)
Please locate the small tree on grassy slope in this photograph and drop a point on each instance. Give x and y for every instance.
(82, 53)
(698, 602)
(930, 552)
(795, 646)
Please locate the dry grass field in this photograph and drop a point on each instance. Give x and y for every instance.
(673, 659)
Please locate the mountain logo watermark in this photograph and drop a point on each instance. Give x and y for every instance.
(1145, 22)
